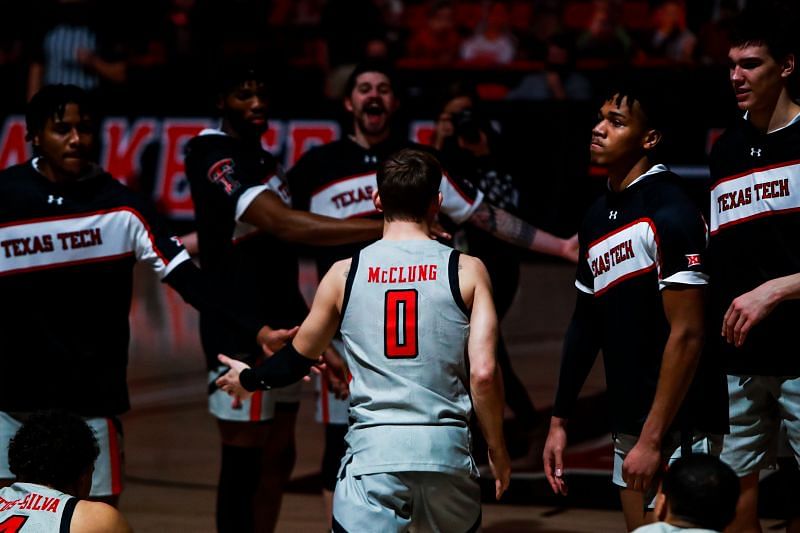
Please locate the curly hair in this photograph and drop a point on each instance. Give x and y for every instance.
(52, 448)
(51, 101)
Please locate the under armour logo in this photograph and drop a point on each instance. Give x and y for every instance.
(370, 159)
(612, 215)
(755, 152)
(55, 199)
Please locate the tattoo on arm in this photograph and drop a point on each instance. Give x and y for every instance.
(346, 273)
(504, 225)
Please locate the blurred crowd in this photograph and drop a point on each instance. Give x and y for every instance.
(147, 46)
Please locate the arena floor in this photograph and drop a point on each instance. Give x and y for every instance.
(172, 451)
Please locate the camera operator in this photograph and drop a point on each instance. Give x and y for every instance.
(473, 150)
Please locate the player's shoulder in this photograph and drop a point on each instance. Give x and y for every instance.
(471, 265)
(16, 177)
(323, 152)
(209, 142)
(97, 517)
(668, 192)
(729, 140)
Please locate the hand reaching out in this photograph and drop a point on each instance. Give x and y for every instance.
(272, 340)
(229, 382)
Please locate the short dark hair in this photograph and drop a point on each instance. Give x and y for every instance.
(408, 182)
(370, 65)
(51, 101)
(769, 23)
(701, 490)
(232, 74)
(52, 448)
(650, 102)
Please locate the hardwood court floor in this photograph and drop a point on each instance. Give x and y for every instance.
(171, 443)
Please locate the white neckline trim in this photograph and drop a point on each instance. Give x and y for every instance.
(655, 169)
(794, 120)
(212, 131)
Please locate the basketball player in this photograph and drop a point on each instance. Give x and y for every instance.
(246, 230)
(337, 180)
(698, 495)
(53, 455)
(409, 307)
(70, 235)
(640, 297)
(755, 265)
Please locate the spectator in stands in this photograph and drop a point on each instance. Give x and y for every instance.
(348, 27)
(438, 41)
(549, 43)
(698, 494)
(492, 43)
(474, 150)
(714, 36)
(605, 38)
(671, 38)
(73, 48)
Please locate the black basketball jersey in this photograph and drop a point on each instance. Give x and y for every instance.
(337, 180)
(67, 253)
(255, 272)
(755, 224)
(634, 244)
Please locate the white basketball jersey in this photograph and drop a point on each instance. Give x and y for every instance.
(405, 328)
(30, 508)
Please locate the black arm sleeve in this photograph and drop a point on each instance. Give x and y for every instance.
(193, 287)
(284, 368)
(581, 345)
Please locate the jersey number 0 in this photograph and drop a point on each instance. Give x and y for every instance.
(400, 339)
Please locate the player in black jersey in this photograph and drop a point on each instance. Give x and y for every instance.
(246, 229)
(70, 235)
(338, 179)
(753, 257)
(640, 295)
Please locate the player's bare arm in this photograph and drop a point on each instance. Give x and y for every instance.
(486, 385)
(97, 517)
(294, 361)
(752, 307)
(683, 307)
(268, 213)
(516, 231)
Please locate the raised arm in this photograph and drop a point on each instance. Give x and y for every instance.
(294, 361)
(683, 307)
(268, 213)
(486, 384)
(516, 231)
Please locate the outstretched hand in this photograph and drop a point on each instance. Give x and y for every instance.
(229, 382)
(570, 249)
(272, 340)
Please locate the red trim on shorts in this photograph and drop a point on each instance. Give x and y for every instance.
(323, 398)
(115, 459)
(255, 406)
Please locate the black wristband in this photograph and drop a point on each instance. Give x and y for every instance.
(249, 380)
(287, 366)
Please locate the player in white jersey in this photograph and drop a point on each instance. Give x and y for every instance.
(409, 308)
(53, 456)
